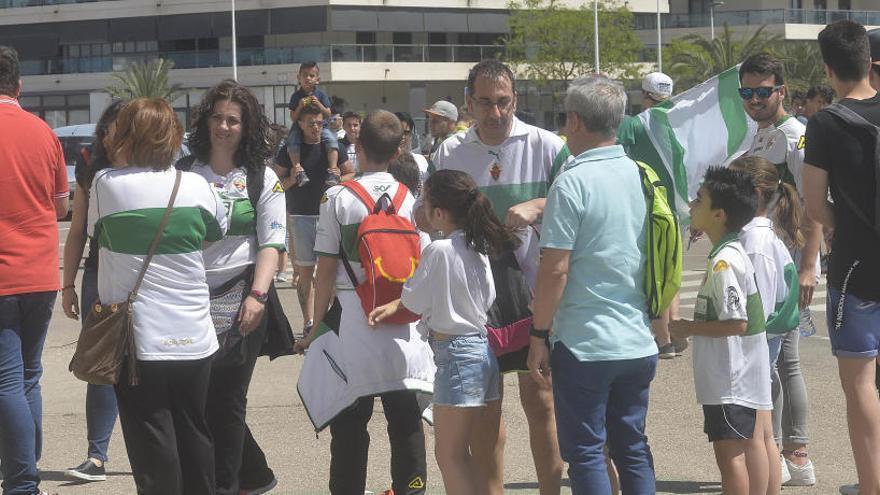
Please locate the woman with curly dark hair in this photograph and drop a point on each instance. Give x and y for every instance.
(231, 142)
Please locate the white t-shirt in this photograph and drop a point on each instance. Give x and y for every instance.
(773, 264)
(519, 169)
(452, 288)
(171, 315)
(782, 144)
(342, 213)
(424, 167)
(731, 370)
(248, 230)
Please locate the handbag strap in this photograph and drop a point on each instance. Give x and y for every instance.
(155, 244)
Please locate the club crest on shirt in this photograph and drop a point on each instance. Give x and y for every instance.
(720, 266)
(277, 187)
(733, 304)
(239, 184)
(495, 170)
(324, 198)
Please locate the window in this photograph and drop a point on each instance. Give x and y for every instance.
(820, 4)
(402, 38)
(365, 38)
(844, 5)
(698, 7)
(59, 110)
(437, 38)
(797, 4)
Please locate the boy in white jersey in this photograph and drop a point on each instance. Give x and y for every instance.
(731, 371)
(344, 372)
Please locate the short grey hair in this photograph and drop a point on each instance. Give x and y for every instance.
(599, 102)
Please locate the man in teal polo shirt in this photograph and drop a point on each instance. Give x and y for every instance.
(590, 297)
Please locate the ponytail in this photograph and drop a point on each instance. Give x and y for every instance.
(457, 193)
(788, 215)
(778, 198)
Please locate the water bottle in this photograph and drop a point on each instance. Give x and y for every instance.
(806, 325)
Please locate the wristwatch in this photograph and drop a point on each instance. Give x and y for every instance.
(260, 296)
(541, 334)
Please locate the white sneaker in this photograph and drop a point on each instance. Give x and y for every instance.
(850, 489)
(786, 476)
(801, 475)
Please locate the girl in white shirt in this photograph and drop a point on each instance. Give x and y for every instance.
(453, 289)
(775, 273)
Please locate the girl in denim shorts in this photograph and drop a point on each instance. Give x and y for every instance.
(453, 289)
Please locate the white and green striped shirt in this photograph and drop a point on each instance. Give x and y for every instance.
(172, 319)
(518, 170)
(249, 228)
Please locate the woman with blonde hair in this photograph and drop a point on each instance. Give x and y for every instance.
(163, 419)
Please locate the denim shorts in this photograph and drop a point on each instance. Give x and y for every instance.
(856, 332)
(467, 371)
(305, 229)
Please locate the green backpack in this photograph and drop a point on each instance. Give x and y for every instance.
(663, 268)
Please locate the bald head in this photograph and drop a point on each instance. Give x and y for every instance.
(380, 136)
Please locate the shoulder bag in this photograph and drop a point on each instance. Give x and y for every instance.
(106, 342)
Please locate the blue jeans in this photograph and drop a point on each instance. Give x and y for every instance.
(100, 399)
(24, 320)
(598, 401)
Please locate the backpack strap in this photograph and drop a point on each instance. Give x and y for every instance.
(358, 190)
(399, 197)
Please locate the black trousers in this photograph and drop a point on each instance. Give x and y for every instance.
(255, 471)
(350, 444)
(226, 409)
(166, 435)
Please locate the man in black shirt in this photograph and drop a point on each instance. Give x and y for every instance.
(304, 201)
(841, 155)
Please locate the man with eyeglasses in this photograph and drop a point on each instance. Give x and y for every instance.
(514, 164)
(780, 139)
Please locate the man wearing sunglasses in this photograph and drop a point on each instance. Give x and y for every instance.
(780, 139)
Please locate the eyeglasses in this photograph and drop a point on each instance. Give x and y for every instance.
(763, 92)
(487, 105)
(313, 124)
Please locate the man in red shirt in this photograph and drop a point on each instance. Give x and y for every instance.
(33, 179)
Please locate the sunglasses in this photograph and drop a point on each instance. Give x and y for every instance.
(763, 92)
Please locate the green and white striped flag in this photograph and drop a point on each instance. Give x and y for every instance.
(702, 127)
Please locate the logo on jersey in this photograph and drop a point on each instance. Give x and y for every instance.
(379, 188)
(720, 266)
(276, 226)
(239, 184)
(733, 304)
(277, 188)
(324, 198)
(495, 170)
(802, 142)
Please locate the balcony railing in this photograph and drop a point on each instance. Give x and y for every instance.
(759, 17)
(267, 56)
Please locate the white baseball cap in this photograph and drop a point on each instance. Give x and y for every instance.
(658, 86)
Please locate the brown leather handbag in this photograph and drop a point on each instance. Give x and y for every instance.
(106, 342)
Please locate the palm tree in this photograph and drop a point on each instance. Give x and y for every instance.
(803, 65)
(693, 58)
(145, 80)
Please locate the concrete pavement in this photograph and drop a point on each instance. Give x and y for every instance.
(683, 458)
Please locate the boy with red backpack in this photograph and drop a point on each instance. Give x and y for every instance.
(367, 248)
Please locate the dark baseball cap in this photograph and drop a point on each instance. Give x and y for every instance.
(874, 41)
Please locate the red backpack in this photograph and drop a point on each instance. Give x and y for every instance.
(389, 249)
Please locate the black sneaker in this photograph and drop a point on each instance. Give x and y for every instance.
(301, 178)
(666, 351)
(332, 179)
(87, 471)
(259, 491)
(680, 345)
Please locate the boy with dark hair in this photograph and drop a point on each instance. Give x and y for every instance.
(351, 124)
(731, 370)
(309, 95)
(405, 170)
(840, 155)
(818, 97)
(391, 361)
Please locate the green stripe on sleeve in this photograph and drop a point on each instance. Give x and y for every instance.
(755, 314)
(559, 161)
(785, 318)
(213, 233)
